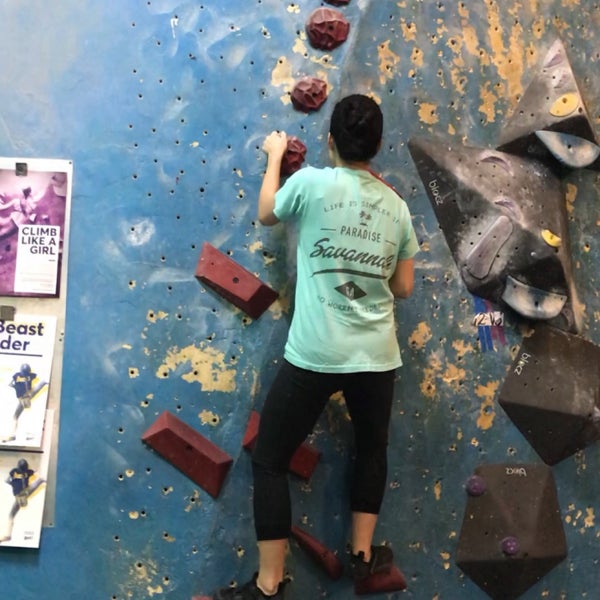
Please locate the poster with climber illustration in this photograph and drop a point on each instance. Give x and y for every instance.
(26, 352)
(23, 482)
(34, 208)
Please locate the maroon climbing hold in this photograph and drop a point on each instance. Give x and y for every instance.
(233, 282)
(327, 28)
(304, 460)
(381, 583)
(294, 156)
(322, 555)
(201, 460)
(309, 94)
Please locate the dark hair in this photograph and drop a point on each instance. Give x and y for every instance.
(356, 127)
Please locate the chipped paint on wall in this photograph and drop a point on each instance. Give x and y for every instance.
(153, 316)
(437, 490)
(281, 76)
(420, 336)
(454, 377)
(203, 364)
(570, 196)
(388, 61)
(487, 413)
(207, 417)
(462, 348)
(428, 113)
(409, 30)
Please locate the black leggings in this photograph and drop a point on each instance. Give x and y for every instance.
(292, 407)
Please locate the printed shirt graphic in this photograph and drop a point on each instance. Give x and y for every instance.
(352, 230)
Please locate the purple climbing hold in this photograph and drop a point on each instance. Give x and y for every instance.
(475, 485)
(510, 545)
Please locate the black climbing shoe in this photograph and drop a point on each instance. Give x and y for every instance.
(381, 561)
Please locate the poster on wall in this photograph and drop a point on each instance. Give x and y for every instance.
(35, 196)
(23, 482)
(26, 352)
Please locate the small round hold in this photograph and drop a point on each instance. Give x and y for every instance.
(309, 94)
(294, 156)
(475, 485)
(327, 28)
(510, 545)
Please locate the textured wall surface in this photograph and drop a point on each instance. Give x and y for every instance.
(162, 105)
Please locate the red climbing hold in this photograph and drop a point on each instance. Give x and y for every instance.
(309, 94)
(327, 28)
(294, 155)
(233, 282)
(201, 460)
(305, 458)
(381, 583)
(322, 555)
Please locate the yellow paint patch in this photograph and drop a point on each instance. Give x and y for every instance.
(427, 386)
(462, 348)
(470, 40)
(590, 518)
(509, 63)
(488, 102)
(154, 590)
(293, 8)
(485, 420)
(388, 61)
(205, 365)
(194, 501)
(133, 372)
(255, 247)
(300, 46)
(281, 76)
(325, 60)
(453, 377)
(420, 336)
(409, 31)
(427, 113)
(416, 57)
(208, 417)
(570, 196)
(445, 556)
(134, 514)
(437, 490)
(154, 316)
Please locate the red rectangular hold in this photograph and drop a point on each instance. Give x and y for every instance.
(322, 555)
(381, 583)
(304, 460)
(189, 451)
(234, 283)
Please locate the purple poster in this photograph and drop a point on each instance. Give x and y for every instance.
(35, 197)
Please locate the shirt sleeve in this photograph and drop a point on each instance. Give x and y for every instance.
(290, 198)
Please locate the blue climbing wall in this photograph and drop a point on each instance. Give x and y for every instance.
(163, 105)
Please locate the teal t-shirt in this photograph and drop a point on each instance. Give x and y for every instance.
(352, 229)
